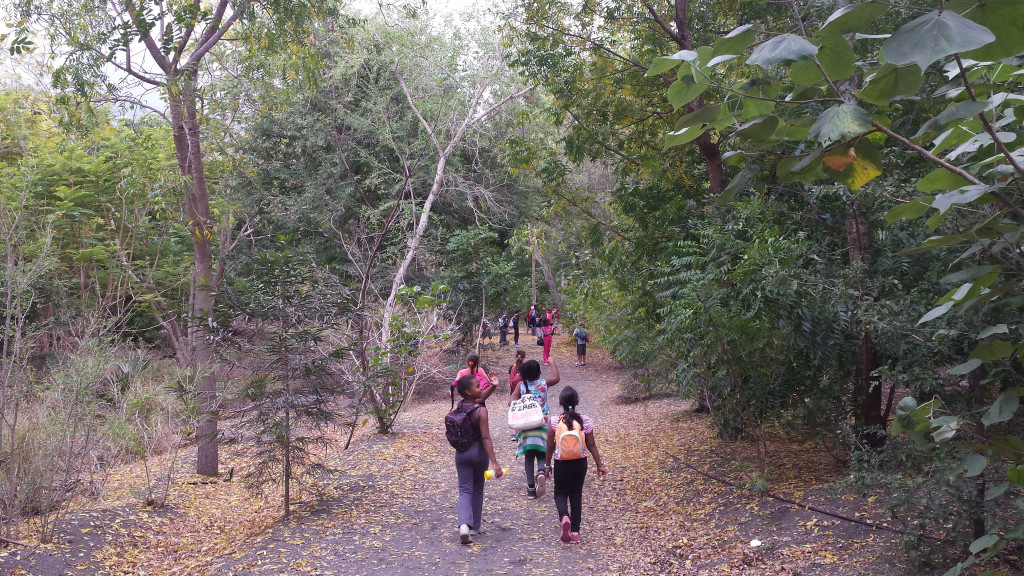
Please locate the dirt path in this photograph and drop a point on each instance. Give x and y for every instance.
(391, 508)
(394, 512)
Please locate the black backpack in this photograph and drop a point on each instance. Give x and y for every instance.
(459, 429)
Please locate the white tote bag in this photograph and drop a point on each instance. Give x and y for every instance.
(525, 413)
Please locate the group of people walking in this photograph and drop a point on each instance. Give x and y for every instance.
(557, 449)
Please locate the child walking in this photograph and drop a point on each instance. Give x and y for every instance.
(471, 463)
(533, 442)
(570, 441)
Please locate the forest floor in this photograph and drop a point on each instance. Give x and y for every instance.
(391, 507)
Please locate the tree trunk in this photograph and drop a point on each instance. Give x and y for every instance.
(867, 391)
(187, 146)
(550, 279)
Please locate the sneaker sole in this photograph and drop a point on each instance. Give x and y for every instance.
(566, 526)
(541, 481)
(464, 536)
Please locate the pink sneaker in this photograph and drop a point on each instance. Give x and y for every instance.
(566, 526)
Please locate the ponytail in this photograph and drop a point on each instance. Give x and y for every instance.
(569, 399)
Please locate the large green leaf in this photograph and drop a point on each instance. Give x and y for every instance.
(784, 48)
(669, 62)
(964, 195)
(934, 36)
(834, 54)
(1003, 408)
(910, 210)
(973, 465)
(736, 42)
(758, 129)
(891, 82)
(983, 542)
(955, 111)
(993, 350)
(1002, 17)
(739, 184)
(804, 169)
(684, 91)
(941, 179)
(853, 18)
(840, 122)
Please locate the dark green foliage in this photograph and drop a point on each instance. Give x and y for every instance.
(286, 309)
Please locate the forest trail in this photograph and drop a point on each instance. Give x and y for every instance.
(391, 507)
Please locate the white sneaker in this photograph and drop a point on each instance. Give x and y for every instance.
(541, 480)
(464, 536)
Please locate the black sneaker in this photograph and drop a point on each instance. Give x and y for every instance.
(531, 492)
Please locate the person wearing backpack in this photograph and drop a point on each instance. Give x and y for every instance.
(533, 442)
(473, 368)
(581, 345)
(503, 329)
(514, 323)
(468, 431)
(570, 441)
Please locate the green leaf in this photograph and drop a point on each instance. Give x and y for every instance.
(1002, 17)
(784, 48)
(706, 117)
(834, 54)
(1002, 409)
(840, 122)
(854, 166)
(965, 368)
(983, 542)
(684, 136)
(739, 184)
(803, 169)
(993, 350)
(936, 312)
(1009, 447)
(1016, 474)
(909, 210)
(968, 274)
(763, 92)
(955, 111)
(853, 18)
(944, 427)
(992, 330)
(964, 195)
(890, 82)
(934, 36)
(955, 570)
(665, 63)
(758, 129)
(941, 179)
(684, 91)
(736, 42)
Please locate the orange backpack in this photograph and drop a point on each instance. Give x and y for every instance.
(571, 444)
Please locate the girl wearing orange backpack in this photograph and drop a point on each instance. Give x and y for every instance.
(570, 441)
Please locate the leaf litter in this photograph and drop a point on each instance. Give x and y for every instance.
(391, 507)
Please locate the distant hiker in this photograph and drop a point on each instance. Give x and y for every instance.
(570, 441)
(471, 462)
(547, 331)
(531, 320)
(487, 386)
(514, 322)
(503, 329)
(556, 316)
(533, 442)
(514, 376)
(581, 344)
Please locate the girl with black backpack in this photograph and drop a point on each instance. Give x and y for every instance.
(471, 463)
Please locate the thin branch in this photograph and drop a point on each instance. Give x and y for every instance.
(985, 121)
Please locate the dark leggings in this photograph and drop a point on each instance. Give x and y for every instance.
(569, 477)
(532, 456)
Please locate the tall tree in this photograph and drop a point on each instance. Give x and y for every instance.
(164, 46)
